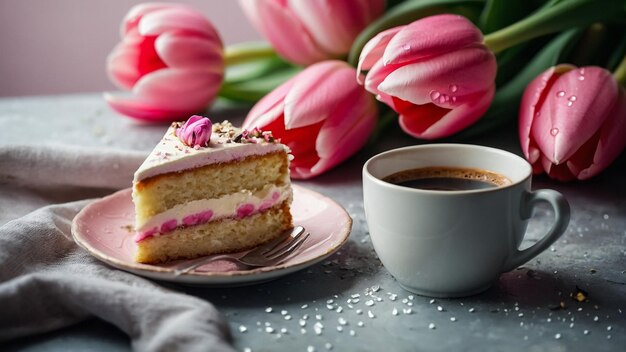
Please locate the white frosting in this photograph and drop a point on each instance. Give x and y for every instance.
(222, 207)
(171, 154)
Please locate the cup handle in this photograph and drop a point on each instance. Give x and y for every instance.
(561, 214)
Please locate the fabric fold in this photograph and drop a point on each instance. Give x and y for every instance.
(47, 282)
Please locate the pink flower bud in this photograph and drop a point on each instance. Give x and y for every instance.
(195, 132)
(170, 57)
(572, 122)
(305, 32)
(435, 73)
(321, 114)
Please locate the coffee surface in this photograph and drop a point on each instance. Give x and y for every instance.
(441, 178)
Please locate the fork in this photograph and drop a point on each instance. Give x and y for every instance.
(267, 254)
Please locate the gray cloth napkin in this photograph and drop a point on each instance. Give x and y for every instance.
(48, 282)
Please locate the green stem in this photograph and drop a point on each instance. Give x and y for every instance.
(245, 52)
(563, 15)
(620, 72)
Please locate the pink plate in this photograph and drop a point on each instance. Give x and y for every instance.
(105, 229)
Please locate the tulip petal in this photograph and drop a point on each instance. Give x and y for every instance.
(558, 172)
(333, 25)
(325, 23)
(131, 59)
(144, 111)
(341, 137)
(184, 51)
(178, 19)
(534, 96)
(444, 125)
(269, 108)
(431, 36)
(317, 91)
(179, 89)
(283, 30)
(373, 51)
(611, 141)
(446, 80)
(134, 15)
(574, 111)
(168, 94)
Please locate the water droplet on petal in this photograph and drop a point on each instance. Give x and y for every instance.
(582, 71)
(453, 88)
(581, 78)
(406, 47)
(434, 95)
(570, 103)
(560, 93)
(454, 99)
(572, 98)
(554, 131)
(537, 114)
(443, 99)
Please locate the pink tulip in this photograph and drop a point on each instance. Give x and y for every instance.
(435, 73)
(171, 57)
(305, 32)
(572, 122)
(321, 114)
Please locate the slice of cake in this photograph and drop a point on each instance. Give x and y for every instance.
(210, 188)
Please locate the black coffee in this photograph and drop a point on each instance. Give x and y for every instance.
(441, 178)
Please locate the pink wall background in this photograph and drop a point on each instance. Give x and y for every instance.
(60, 46)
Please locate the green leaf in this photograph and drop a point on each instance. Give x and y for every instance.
(254, 89)
(246, 71)
(410, 11)
(501, 13)
(618, 54)
(559, 16)
(505, 104)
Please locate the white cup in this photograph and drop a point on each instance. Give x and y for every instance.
(454, 243)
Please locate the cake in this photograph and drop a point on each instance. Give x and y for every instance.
(210, 188)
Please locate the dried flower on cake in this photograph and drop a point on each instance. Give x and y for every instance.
(195, 132)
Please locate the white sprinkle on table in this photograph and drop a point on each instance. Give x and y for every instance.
(431, 326)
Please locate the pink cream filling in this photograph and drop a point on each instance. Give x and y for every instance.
(243, 210)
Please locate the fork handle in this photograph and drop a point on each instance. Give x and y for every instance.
(195, 263)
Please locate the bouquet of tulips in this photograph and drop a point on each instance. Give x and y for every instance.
(443, 68)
